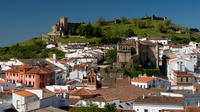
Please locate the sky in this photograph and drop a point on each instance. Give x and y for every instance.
(23, 19)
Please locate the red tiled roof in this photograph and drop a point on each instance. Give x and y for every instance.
(30, 69)
(124, 93)
(2, 82)
(123, 82)
(51, 59)
(39, 70)
(82, 92)
(181, 73)
(192, 109)
(24, 93)
(73, 101)
(144, 79)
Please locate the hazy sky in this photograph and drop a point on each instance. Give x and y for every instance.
(22, 19)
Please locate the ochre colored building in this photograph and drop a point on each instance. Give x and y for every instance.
(37, 77)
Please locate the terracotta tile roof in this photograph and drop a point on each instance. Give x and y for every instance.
(123, 82)
(2, 82)
(51, 59)
(160, 100)
(46, 93)
(73, 101)
(25, 67)
(143, 79)
(31, 70)
(39, 70)
(192, 109)
(24, 93)
(82, 92)
(182, 73)
(173, 110)
(98, 98)
(124, 93)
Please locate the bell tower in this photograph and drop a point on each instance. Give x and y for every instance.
(92, 80)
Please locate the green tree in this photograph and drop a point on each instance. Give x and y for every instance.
(110, 108)
(88, 31)
(129, 33)
(85, 30)
(94, 108)
(124, 20)
(72, 31)
(111, 55)
(97, 32)
(81, 30)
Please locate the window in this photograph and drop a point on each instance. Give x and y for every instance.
(181, 79)
(186, 79)
(18, 104)
(41, 84)
(145, 110)
(41, 76)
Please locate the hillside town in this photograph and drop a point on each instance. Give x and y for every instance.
(138, 74)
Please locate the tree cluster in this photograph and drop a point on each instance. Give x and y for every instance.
(86, 30)
(137, 70)
(111, 55)
(94, 108)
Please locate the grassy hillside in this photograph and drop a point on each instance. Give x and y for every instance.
(33, 48)
(153, 28)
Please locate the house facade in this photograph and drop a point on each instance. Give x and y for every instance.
(37, 77)
(151, 82)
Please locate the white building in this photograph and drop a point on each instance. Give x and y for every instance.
(7, 65)
(158, 103)
(62, 93)
(179, 64)
(161, 40)
(151, 82)
(30, 99)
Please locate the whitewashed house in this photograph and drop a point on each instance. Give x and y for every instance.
(178, 64)
(158, 103)
(31, 99)
(161, 40)
(151, 82)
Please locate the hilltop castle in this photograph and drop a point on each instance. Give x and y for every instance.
(153, 17)
(61, 29)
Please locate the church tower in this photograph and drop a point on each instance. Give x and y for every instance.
(92, 80)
